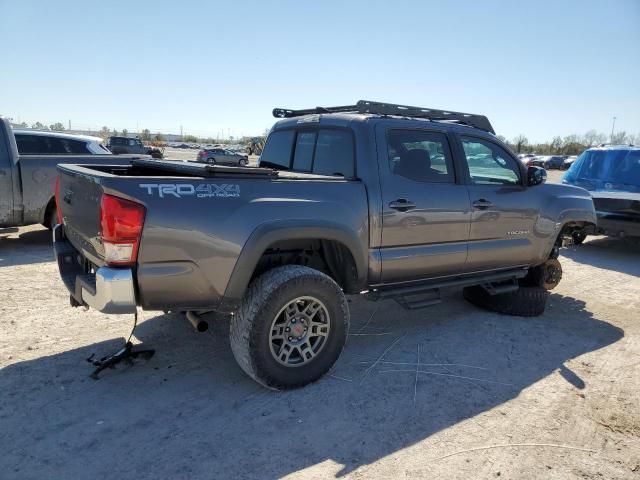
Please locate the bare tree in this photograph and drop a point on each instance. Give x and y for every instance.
(125, 132)
(620, 138)
(593, 137)
(519, 142)
(556, 145)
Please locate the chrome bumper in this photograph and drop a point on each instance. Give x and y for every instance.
(108, 290)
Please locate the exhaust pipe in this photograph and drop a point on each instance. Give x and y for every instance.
(198, 323)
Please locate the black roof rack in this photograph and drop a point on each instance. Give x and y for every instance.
(379, 108)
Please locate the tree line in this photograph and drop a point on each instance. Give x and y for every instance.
(571, 144)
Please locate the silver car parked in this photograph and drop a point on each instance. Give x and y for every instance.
(221, 156)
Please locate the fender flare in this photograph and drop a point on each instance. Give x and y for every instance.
(267, 234)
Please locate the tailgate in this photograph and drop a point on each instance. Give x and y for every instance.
(79, 198)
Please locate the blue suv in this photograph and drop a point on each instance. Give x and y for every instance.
(612, 174)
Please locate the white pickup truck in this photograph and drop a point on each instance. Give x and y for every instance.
(27, 181)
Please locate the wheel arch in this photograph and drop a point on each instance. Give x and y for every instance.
(49, 209)
(334, 238)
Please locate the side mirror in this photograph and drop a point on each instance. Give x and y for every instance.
(536, 176)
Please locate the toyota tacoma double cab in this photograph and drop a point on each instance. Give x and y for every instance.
(387, 200)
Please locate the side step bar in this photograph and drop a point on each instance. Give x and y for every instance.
(424, 294)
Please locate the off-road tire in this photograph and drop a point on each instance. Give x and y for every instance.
(251, 324)
(524, 302)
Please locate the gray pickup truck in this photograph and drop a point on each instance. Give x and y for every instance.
(27, 181)
(387, 200)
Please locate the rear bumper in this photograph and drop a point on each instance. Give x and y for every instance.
(108, 290)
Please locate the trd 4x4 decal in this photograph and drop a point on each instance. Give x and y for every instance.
(203, 190)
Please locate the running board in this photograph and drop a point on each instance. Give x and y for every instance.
(496, 288)
(421, 300)
(425, 294)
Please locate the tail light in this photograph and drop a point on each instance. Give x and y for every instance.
(202, 153)
(57, 197)
(121, 224)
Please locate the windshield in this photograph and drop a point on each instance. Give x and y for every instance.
(611, 169)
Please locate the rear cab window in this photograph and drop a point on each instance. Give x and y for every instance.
(277, 151)
(324, 151)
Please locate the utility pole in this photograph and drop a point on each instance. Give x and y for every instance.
(612, 127)
(181, 136)
(69, 124)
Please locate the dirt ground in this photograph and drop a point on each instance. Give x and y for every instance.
(445, 392)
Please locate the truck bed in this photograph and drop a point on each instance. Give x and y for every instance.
(199, 218)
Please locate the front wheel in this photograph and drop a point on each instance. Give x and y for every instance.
(291, 327)
(243, 162)
(578, 237)
(524, 302)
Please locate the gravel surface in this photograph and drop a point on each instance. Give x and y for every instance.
(445, 392)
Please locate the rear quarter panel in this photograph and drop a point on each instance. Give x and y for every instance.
(191, 242)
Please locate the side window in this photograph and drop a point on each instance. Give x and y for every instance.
(277, 151)
(489, 164)
(323, 152)
(57, 146)
(30, 145)
(334, 153)
(305, 145)
(420, 155)
(76, 146)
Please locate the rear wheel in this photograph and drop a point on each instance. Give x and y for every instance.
(211, 161)
(291, 327)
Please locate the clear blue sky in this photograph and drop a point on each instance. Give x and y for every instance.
(540, 67)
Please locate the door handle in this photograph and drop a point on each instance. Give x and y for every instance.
(402, 205)
(482, 204)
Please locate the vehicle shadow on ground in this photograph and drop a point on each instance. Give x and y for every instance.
(190, 412)
(618, 254)
(31, 246)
